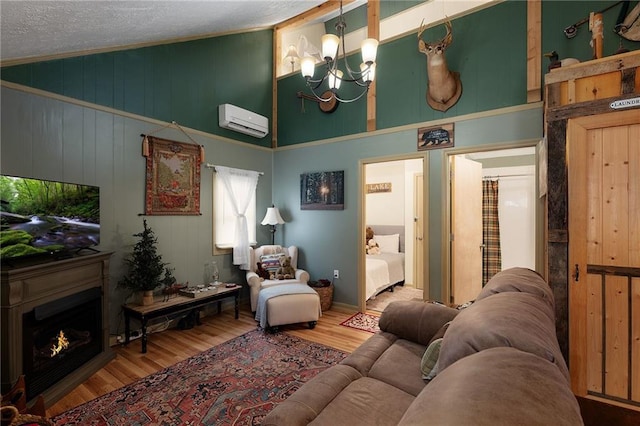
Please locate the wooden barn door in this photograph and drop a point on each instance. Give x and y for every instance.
(603, 155)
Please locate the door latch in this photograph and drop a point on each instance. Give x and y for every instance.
(576, 273)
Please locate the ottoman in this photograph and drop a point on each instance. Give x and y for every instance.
(299, 304)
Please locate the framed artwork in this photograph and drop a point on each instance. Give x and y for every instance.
(435, 137)
(322, 191)
(173, 178)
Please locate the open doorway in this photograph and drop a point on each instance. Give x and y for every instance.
(494, 218)
(393, 200)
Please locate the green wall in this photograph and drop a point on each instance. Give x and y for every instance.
(183, 82)
(329, 238)
(186, 82)
(489, 80)
(489, 50)
(47, 138)
(557, 15)
(357, 18)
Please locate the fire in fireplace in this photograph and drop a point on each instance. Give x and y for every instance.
(59, 337)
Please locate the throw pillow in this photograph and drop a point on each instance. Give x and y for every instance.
(440, 333)
(271, 262)
(388, 243)
(429, 362)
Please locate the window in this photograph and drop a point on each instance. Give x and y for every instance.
(224, 217)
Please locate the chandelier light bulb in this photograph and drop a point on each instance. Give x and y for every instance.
(307, 66)
(335, 79)
(368, 72)
(335, 56)
(330, 43)
(369, 49)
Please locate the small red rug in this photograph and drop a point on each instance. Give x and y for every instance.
(361, 321)
(235, 383)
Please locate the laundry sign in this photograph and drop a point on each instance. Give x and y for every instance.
(625, 103)
(378, 187)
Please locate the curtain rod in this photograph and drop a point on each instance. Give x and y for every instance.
(504, 176)
(213, 166)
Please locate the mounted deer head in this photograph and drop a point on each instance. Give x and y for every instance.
(444, 86)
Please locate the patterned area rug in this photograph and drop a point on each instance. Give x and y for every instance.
(362, 321)
(235, 383)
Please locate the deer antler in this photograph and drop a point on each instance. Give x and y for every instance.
(422, 28)
(443, 86)
(422, 45)
(447, 39)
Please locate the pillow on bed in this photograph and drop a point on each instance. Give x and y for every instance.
(388, 243)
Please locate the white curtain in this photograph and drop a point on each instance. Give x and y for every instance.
(241, 186)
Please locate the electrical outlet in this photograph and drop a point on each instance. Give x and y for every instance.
(336, 273)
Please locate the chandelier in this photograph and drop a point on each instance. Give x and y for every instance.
(332, 51)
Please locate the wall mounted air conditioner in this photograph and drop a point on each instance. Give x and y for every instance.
(240, 120)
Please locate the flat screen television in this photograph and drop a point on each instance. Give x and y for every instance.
(47, 218)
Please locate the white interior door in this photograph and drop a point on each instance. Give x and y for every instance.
(466, 226)
(418, 248)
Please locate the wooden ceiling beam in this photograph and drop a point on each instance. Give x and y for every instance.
(312, 14)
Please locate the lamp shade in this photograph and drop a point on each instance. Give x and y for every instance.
(292, 53)
(272, 217)
(368, 71)
(335, 79)
(369, 49)
(307, 66)
(330, 43)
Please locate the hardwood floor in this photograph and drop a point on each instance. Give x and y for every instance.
(171, 346)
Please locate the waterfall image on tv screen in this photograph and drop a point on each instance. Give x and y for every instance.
(44, 217)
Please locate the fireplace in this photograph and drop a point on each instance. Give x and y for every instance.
(59, 337)
(55, 324)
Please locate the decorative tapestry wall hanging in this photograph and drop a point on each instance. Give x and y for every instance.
(172, 177)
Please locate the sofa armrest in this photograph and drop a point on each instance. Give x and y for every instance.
(310, 400)
(415, 320)
(302, 276)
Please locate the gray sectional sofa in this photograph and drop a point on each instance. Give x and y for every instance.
(499, 363)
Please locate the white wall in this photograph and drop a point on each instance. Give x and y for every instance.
(49, 138)
(517, 215)
(386, 208)
(395, 207)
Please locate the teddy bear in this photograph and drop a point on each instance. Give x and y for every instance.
(372, 247)
(285, 271)
(368, 234)
(262, 273)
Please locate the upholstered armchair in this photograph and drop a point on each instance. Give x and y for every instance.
(255, 282)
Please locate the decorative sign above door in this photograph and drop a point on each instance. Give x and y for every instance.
(435, 137)
(372, 188)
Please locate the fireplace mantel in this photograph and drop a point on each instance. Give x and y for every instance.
(25, 288)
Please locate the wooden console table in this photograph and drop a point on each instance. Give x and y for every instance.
(175, 305)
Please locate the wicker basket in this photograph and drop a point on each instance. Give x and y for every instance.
(326, 296)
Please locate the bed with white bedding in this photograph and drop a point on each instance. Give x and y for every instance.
(386, 269)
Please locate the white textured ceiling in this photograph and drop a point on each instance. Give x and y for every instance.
(42, 28)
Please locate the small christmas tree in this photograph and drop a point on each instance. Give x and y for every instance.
(145, 264)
